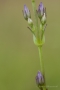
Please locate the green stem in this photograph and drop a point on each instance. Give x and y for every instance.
(41, 62)
(42, 65)
(36, 20)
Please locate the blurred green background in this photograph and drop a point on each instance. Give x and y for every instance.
(19, 59)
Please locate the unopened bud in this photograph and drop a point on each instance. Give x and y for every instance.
(39, 79)
(26, 12)
(43, 20)
(30, 22)
(40, 10)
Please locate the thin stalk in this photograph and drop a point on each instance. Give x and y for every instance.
(41, 62)
(42, 65)
(36, 19)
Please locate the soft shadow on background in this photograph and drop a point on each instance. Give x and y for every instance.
(19, 59)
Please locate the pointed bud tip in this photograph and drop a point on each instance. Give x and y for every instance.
(41, 10)
(26, 12)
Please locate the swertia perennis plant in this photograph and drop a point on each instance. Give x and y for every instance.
(38, 36)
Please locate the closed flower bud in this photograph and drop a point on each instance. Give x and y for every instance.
(26, 13)
(43, 20)
(30, 22)
(40, 10)
(39, 79)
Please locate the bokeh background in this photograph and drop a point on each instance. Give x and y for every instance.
(19, 59)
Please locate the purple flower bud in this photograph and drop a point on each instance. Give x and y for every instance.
(39, 79)
(40, 10)
(26, 13)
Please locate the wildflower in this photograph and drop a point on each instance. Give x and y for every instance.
(39, 79)
(41, 11)
(26, 12)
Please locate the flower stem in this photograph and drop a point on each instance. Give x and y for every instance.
(36, 20)
(42, 66)
(41, 62)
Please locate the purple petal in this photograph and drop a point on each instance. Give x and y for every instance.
(39, 78)
(40, 10)
(26, 9)
(26, 12)
(41, 6)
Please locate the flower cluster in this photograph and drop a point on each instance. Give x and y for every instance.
(43, 17)
(41, 13)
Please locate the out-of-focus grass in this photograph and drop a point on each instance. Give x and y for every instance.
(19, 59)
